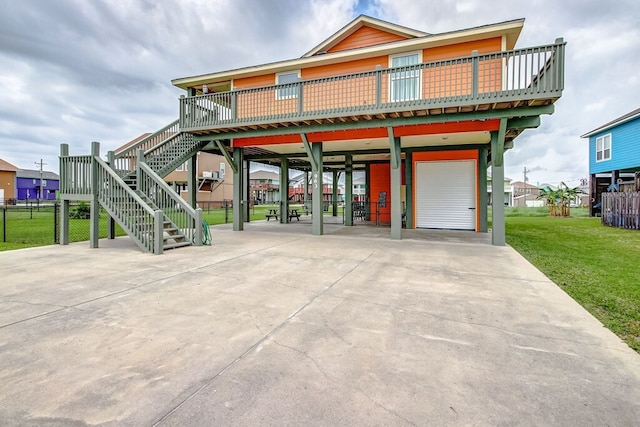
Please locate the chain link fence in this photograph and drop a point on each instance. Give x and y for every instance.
(37, 224)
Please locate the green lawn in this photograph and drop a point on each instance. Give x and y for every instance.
(594, 264)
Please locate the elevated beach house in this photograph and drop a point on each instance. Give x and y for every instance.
(424, 115)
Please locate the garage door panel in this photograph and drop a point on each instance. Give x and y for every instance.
(446, 195)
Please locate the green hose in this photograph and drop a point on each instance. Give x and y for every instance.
(206, 235)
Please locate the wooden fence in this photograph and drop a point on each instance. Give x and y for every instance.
(621, 210)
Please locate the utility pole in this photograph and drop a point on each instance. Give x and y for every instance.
(41, 164)
(525, 171)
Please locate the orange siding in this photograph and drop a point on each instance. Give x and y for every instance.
(447, 155)
(380, 180)
(7, 182)
(256, 81)
(462, 49)
(367, 64)
(365, 36)
(443, 81)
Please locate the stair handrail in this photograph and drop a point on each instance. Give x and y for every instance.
(124, 161)
(187, 219)
(187, 147)
(142, 223)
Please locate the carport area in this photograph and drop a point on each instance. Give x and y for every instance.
(286, 328)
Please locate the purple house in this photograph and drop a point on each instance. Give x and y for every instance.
(28, 186)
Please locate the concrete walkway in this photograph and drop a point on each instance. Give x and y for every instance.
(273, 326)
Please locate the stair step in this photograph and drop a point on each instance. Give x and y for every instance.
(176, 245)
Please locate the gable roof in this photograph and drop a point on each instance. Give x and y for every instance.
(130, 143)
(7, 167)
(510, 30)
(620, 120)
(358, 23)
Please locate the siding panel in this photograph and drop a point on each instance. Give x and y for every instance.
(625, 148)
(365, 36)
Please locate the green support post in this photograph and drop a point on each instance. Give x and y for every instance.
(367, 190)
(246, 191)
(482, 166)
(396, 186)
(408, 179)
(238, 203)
(318, 184)
(348, 190)
(497, 175)
(192, 180)
(64, 205)
(284, 191)
(94, 227)
(334, 193)
(111, 223)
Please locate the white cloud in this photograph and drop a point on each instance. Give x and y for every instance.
(74, 71)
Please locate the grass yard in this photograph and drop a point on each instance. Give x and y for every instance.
(596, 265)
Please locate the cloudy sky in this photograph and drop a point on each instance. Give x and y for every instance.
(76, 71)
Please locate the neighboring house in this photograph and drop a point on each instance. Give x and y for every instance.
(525, 195)
(7, 183)
(264, 187)
(507, 190)
(297, 188)
(31, 184)
(213, 184)
(359, 188)
(423, 115)
(614, 156)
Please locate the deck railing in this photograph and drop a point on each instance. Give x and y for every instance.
(75, 175)
(124, 161)
(142, 223)
(522, 74)
(174, 207)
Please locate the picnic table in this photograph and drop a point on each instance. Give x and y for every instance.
(273, 213)
(293, 213)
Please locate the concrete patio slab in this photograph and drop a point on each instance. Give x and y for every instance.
(273, 326)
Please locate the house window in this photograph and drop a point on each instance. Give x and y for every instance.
(44, 182)
(182, 167)
(405, 82)
(222, 169)
(603, 148)
(290, 91)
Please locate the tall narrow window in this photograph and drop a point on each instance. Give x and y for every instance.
(405, 82)
(290, 90)
(603, 148)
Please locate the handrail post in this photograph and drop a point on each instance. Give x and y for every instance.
(378, 86)
(474, 73)
(158, 226)
(198, 228)
(182, 111)
(300, 99)
(234, 104)
(94, 230)
(139, 159)
(560, 62)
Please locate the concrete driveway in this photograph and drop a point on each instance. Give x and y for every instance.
(273, 326)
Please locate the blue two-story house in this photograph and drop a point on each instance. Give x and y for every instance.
(614, 155)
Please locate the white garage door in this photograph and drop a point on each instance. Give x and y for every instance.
(446, 195)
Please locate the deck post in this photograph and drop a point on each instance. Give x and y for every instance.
(305, 197)
(318, 185)
(334, 193)
(474, 73)
(246, 192)
(497, 175)
(396, 186)
(94, 227)
(238, 209)
(348, 190)
(111, 223)
(64, 203)
(367, 191)
(192, 180)
(284, 190)
(482, 185)
(408, 179)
